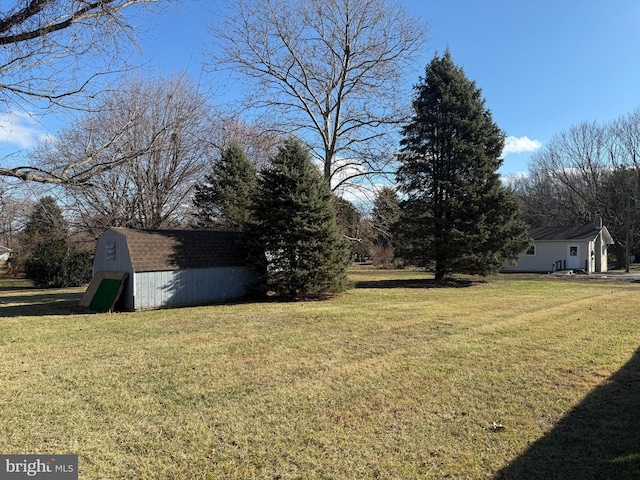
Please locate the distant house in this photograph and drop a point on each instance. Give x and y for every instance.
(173, 268)
(5, 253)
(566, 248)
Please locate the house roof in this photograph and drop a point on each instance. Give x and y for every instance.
(161, 250)
(4, 250)
(585, 232)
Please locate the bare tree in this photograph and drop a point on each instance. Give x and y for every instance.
(623, 185)
(52, 53)
(13, 217)
(575, 163)
(155, 161)
(330, 71)
(542, 199)
(259, 142)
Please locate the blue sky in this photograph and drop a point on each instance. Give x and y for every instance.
(542, 65)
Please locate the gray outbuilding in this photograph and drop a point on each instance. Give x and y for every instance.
(173, 268)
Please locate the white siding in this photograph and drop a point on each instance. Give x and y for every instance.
(190, 287)
(601, 254)
(112, 255)
(547, 253)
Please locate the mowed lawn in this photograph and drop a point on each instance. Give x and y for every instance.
(504, 377)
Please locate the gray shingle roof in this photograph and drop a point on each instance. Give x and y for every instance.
(586, 232)
(161, 250)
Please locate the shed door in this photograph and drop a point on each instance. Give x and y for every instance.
(573, 256)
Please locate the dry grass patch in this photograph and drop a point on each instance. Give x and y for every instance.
(395, 379)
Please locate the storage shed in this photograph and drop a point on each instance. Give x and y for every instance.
(173, 268)
(566, 248)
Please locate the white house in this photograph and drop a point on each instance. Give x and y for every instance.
(566, 248)
(5, 253)
(172, 268)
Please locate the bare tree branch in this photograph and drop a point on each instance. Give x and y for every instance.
(54, 54)
(333, 71)
(134, 162)
(49, 44)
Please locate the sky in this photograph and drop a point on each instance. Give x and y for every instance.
(543, 66)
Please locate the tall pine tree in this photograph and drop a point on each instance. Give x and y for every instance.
(294, 229)
(45, 223)
(223, 202)
(457, 216)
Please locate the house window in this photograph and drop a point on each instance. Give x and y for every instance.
(532, 250)
(573, 251)
(111, 250)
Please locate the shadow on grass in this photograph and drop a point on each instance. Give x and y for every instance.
(416, 283)
(15, 288)
(598, 439)
(39, 304)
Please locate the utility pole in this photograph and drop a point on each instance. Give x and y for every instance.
(627, 249)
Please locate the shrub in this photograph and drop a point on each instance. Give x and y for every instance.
(58, 264)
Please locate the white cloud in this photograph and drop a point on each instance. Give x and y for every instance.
(19, 129)
(520, 145)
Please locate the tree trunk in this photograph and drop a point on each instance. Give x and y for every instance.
(440, 273)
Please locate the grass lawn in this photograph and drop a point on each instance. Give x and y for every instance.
(506, 377)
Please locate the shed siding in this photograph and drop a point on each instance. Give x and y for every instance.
(176, 288)
(546, 254)
(177, 271)
(112, 254)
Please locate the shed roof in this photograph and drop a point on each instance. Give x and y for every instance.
(161, 250)
(585, 232)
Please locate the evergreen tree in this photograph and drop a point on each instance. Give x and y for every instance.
(52, 259)
(457, 216)
(294, 229)
(223, 202)
(58, 264)
(46, 222)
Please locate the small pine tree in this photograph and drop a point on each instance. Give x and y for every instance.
(223, 202)
(294, 229)
(457, 215)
